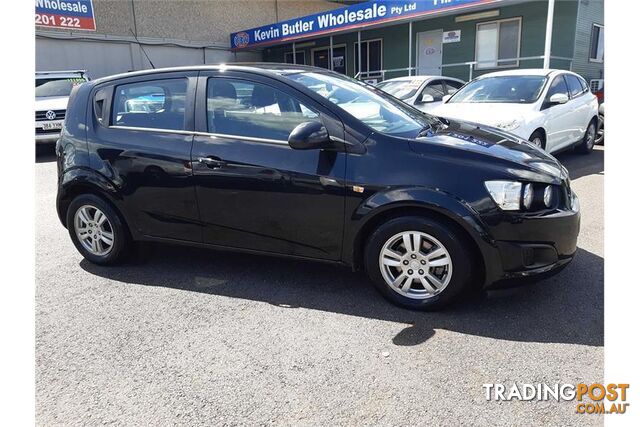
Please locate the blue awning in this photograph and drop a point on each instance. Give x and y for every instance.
(357, 16)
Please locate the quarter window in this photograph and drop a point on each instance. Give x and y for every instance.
(498, 43)
(597, 43)
(158, 104)
(243, 108)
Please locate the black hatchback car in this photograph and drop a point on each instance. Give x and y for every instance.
(306, 163)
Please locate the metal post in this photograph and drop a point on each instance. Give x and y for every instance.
(294, 53)
(410, 43)
(547, 37)
(470, 71)
(331, 53)
(359, 55)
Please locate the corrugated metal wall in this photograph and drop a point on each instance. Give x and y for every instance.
(173, 32)
(589, 12)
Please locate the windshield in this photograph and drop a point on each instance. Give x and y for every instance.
(501, 89)
(375, 108)
(401, 89)
(56, 86)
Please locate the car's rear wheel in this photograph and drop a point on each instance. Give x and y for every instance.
(96, 230)
(600, 134)
(418, 263)
(589, 139)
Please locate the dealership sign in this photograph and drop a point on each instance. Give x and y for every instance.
(356, 16)
(67, 14)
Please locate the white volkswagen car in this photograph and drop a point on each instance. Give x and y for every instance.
(422, 92)
(52, 94)
(553, 109)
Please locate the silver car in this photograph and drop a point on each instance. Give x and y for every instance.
(422, 92)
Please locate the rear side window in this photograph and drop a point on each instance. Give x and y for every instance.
(557, 86)
(575, 88)
(157, 104)
(250, 109)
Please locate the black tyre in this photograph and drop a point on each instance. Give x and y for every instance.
(419, 263)
(588, 140)
(537, 139)
(97, 230)
(600, 134)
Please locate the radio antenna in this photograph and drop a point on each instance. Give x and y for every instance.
(142, 48)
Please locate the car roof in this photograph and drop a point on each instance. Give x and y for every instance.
(526, 72)
(422, 78)
(63, 73)
(258, 67)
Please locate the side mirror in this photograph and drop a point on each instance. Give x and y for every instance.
(559, 98)
(424, 99)
(446, 98)
(309, 136)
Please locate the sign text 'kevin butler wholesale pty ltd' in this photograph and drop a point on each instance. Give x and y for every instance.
(360, 15)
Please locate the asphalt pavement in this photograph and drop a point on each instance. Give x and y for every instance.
(192, 336)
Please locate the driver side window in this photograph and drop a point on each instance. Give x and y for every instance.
(434, 89)
(557, 86)
(251, 109)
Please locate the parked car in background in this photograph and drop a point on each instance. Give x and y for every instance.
(422, 92)
(274, 159)
(553, 109)
(52, 93)
(600, 137)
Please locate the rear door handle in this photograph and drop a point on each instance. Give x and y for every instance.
(212, 162)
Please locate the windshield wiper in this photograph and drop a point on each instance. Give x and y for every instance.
(432, 127)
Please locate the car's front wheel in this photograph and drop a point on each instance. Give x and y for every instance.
(96, 230)
(418, 263)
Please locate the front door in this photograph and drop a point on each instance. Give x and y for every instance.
(430, 53)
(254, 191)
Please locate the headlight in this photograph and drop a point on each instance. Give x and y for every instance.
(548, 196)
(509, 125)
(506, 194)
(527, 196)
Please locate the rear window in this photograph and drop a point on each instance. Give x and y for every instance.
(50, 87)
(157, 104)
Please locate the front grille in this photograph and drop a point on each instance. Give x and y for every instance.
(42, 115)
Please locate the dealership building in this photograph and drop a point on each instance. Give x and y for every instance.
(371, 40)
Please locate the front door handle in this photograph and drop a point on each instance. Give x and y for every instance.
(212, 162)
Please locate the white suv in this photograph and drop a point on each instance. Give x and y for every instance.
(553, 109)
(52, 93)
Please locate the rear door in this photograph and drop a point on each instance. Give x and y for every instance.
(254, 191)
(141, 142)
(579, 102)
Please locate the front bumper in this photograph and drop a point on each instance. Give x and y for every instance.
(47, 138)
(531, 248)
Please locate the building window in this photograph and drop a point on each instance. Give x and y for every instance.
(597, 44)
(320, 58)
(371, 58)
(498, 43)
(300, 58)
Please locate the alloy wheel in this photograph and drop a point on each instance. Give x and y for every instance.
(415, 264)
(93, 229)
(591, 135)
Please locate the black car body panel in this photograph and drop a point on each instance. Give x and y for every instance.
(214, 189)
